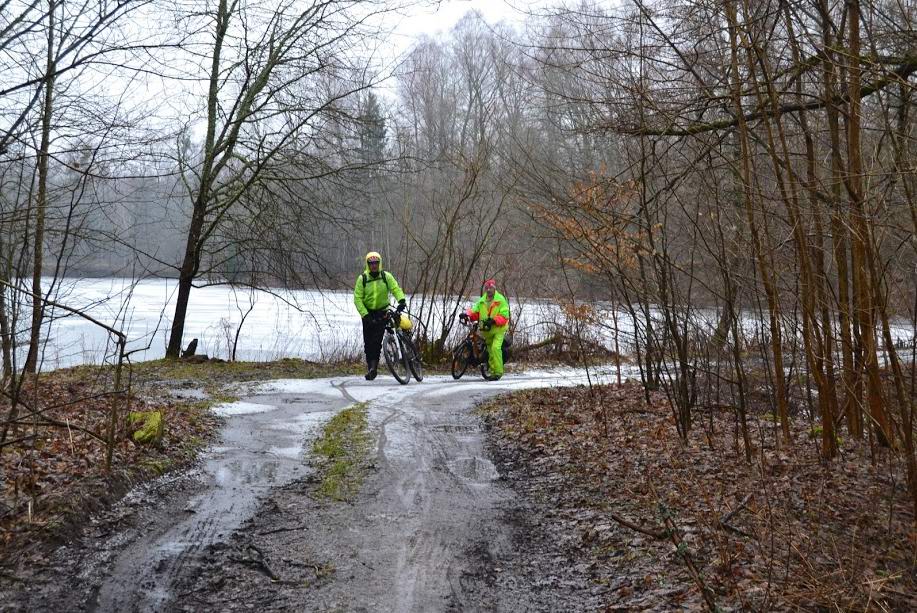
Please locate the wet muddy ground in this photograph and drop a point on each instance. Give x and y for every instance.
(434, 526)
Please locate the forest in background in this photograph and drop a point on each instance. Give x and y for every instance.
(664, 157)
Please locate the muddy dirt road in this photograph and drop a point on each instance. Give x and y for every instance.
(433, 527)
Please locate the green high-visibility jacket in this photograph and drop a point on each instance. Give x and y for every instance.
(371, 293)
(498, 309)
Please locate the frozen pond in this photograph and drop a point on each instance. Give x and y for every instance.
(308, 324)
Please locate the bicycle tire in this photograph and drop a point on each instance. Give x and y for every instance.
(460, 361)
(485, 365)
(394, 355)
(412, 356)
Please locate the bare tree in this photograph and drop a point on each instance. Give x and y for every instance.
(744, 98)
(258, 104)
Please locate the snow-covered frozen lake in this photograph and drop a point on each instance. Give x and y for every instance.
(308, 324)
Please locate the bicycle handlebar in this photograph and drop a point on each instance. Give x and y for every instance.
(469, 323)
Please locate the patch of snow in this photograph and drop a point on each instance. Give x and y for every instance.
(228, 409)
(309, 422)
(299, 387)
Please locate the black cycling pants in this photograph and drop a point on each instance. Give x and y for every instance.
(373, 329)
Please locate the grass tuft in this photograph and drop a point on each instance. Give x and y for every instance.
(341, 453)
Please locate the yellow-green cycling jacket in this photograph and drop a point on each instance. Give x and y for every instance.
(371, 293)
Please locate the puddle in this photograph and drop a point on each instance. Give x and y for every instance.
(310, 421)
(306, 388)
(475, 469)
(455, 428)
(189, 394)
(287, 452)
(261, 449)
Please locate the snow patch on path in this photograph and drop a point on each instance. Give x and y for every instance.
(227, 409)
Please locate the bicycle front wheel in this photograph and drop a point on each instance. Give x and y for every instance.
(460, 359)
(412, 356)
(394, 358)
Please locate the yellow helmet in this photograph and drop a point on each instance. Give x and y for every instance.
(404, 323)
(373, 255)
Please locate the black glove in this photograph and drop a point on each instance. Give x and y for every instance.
(402, 305)
(487, 324)
(463, 317)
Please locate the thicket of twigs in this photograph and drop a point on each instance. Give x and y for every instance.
(666, 522)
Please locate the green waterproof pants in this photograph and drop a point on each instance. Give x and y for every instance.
(494, 341)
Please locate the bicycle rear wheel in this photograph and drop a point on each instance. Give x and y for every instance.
(394, 358)
(485, 365)
(412, 357)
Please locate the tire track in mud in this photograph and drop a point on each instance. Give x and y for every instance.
(259, 451)
(451, 526)
(155, 563)
(432, 502)
(413, 540)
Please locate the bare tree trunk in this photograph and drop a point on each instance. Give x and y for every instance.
(767, 275)
(851, 405)
(41, 198)
(5, 339)
(905, 403)
(779, 152)
(863, 294)
(189, 268)
(191, 260)
(824, 342)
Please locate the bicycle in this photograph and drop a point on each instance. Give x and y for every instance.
(472, 351)
(398, 348)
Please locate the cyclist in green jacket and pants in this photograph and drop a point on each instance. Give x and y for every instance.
(492, 310)
(370, 295)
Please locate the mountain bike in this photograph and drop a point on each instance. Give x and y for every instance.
(399, 350)
(472, 351)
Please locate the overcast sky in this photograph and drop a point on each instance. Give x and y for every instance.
(438, 20)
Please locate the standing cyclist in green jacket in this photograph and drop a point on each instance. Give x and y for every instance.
(492, 310)
(370, 295)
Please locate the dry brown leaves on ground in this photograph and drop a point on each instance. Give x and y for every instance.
(661, 521)
(52, 466)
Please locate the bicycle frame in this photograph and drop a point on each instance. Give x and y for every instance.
(472, 347)
(399, 350)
